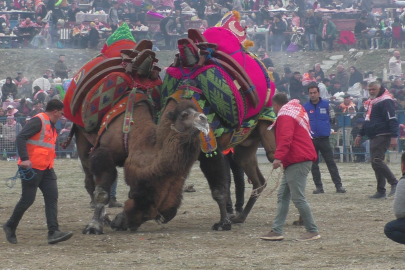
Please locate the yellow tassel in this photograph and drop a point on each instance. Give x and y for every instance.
(248, 43)
(236, 14)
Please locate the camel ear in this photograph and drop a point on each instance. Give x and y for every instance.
(171, 116)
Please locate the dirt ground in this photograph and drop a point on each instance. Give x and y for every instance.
(351, 226)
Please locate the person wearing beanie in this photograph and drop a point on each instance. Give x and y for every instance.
(93, 37)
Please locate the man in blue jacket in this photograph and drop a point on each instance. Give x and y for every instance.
(319, 114)
(381, 127)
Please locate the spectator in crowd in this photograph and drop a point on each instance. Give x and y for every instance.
(93, 36)
(296, 153)
(387, 38)
(97, 5)
(50, 94)
(275, 75)
(124, 14)
(11, 111)
(355, 76)
(361, 30)
(369, 19)
(345, 105)
(341, 76)
(39, 94)
(24, 108)
(40, 9)
(204, 26)
(319, 74)
(377, 38)
(98, 24)
(296, 89)
(277, 33)
(20, 81)
(9, 89)
(113, 19)
(10, 131)
(320, 114)
(395, 65)
(2, 114)
(326, 32)
(55, 33)
(61, 69)
(166, 26)
(139, 26)
(335, 88)
(130, 25)
(49, 74)
(323, 89)
(309, 77)
(37, 108)
(397, 87)
(43, 37)
(381, 126)
(295, 20)
(311, 27)
(72, 12)
(395, 230)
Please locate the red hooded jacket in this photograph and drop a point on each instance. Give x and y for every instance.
(294, 145)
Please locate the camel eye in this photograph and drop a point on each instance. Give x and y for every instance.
(184, 114)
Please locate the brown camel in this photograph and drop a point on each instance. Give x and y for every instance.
(158, 156)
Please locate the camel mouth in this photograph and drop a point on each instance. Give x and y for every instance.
(201, 123)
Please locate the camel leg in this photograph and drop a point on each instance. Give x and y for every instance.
(267, 138)
(105, 173)
(245, 156)
(214, 169)
(83, 150)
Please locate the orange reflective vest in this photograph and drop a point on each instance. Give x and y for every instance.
(41, 146)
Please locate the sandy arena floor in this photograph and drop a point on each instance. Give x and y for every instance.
(351, 226)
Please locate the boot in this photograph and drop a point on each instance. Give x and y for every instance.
(318, 190)
(58, 236)
(10, 234)
(113, 203)
(393, 189)
(299, 222)
(378, 195)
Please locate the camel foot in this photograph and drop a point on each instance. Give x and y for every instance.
(222, 226)
(94, 227)
(238, 219)
(119, 223)
(134, 228)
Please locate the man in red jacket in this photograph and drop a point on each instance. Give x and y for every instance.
(296, 153)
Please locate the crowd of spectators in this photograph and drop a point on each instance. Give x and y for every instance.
(288, 24)
(21, 99)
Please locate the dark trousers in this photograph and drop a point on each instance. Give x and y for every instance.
(319, 40)
(238, 178)
(395, 230)
(45, 180)
(378, 146)
(322, 145)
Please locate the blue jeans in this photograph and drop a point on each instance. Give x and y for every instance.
(311, 41)
(293, 187)
(276, 41)
(395, 230)
(113, 190)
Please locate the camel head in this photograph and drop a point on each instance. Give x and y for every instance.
(187, 119)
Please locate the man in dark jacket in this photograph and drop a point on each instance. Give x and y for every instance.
(342, 77)
(277, 30)
(61, 70)
(381, 127)
(320, 113)
(72, 12)
(326, 32)
(296, 88)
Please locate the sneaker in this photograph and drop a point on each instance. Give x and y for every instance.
(113, 203)
(392, 192)
(378, 195)
(10, 234)
(318, 191)
(58, 236)
(309, 236)
(272, 236)
(340, 190)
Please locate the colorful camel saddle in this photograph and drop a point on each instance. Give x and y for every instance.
(101, 84)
